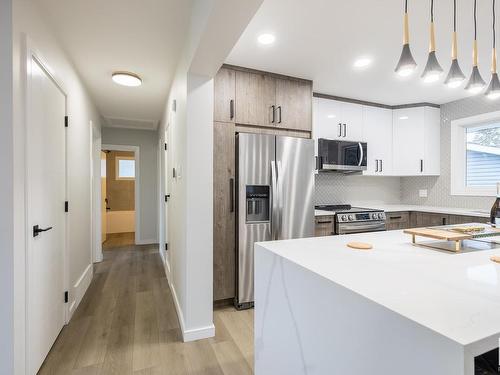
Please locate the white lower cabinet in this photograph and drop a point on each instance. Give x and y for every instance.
(377, 132)
(416, 141)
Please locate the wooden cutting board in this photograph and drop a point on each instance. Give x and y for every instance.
(438, 234)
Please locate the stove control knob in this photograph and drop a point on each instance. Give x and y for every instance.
(343, 218)
(374, 216)
(381, 216)
(351, 217)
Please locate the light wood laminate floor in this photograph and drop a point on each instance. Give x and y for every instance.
(127, 324)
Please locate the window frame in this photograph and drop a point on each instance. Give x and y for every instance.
(458, 145)
(117, 168)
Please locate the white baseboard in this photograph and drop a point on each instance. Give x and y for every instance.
(190, 334)
(149, 241)
(80, 288)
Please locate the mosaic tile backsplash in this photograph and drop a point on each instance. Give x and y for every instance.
(439, 187)
(334, 188)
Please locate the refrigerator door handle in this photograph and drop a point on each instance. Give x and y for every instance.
(280, 187)
(274, 200)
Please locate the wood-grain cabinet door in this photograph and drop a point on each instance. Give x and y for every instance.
(425, 219)
(224, 216)
(224, 95)
(323, 226)
(255, 99)
(294, 104)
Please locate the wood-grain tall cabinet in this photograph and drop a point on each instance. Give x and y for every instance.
(246, 100)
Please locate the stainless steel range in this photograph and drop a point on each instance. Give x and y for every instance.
(350, 219)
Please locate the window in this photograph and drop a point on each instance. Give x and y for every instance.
(475, 155)
(125, 168)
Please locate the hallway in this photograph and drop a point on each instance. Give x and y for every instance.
(127, 324)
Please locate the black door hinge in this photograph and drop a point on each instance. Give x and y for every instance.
(166, 246)
(66, 121)
(165, 147)
(66, 206)
(167, 197)
(66, 297)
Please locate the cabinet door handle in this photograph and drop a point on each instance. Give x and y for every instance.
(345, 130)
(231, 109)
(421, 165)
(395, 217)
(273, 108)
(324, 222)
(231, 195)
(279, 114)
(376, 165)
(381, 165)
(340, 129)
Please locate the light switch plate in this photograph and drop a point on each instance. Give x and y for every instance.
(422, 193)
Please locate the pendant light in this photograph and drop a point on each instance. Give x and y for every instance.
(493, 90)
(432, 70)
(455, 75)
(406, 64)
(476, 82)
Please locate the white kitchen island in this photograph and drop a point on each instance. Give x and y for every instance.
(323, 308)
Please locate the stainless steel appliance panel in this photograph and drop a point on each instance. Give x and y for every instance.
(342, 156)
(255, 153)
(295, 173)
(360, 227)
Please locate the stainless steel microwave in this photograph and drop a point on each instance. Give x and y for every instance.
(341, 156)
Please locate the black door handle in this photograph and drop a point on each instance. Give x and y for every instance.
(37, 230)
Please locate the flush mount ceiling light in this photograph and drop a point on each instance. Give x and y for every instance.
(455, 75)
(126, 79)
(362, 62)
(493, 90)
(476, 82)
(266, 39)
(406, 64)
(432, 70)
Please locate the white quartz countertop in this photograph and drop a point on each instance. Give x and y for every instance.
(456, 295)
(401, 207)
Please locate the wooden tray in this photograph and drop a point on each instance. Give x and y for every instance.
(446, 233)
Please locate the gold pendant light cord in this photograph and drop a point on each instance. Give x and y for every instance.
(406, 29)
(494, 52)
(474, 46)
(432, 42)
(454, 48)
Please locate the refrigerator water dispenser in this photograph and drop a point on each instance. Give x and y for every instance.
(257, 203)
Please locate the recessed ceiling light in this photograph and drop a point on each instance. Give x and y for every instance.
(331, 116)
(403, 118)
(362, 62)
(266, 39)
(127, 79)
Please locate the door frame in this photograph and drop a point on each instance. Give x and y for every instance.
(31, 53)
(137, 187)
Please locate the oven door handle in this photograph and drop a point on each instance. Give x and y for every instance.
(346, 228)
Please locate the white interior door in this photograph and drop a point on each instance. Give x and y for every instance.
(104, 198)
(46, 193)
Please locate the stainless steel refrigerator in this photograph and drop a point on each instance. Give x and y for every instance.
(275, 185)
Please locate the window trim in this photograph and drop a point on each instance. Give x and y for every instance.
(117, 168)
(458, 145)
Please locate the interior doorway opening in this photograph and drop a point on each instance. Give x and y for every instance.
(119, 196)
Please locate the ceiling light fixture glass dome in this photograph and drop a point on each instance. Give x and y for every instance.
(432, 70)
(126, 79)
(455, 75)
(406, 64)
(476, 82)
(493, 90)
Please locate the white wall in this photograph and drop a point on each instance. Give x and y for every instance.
(214, 29)
(147, 141)
(28, 19)
(6, 193)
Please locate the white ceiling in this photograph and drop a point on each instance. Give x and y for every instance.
(102, 36)
(320, 39)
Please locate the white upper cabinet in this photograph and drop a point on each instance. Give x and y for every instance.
(416, 141)
(401, 142)
(377, 132)
(333, 119)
